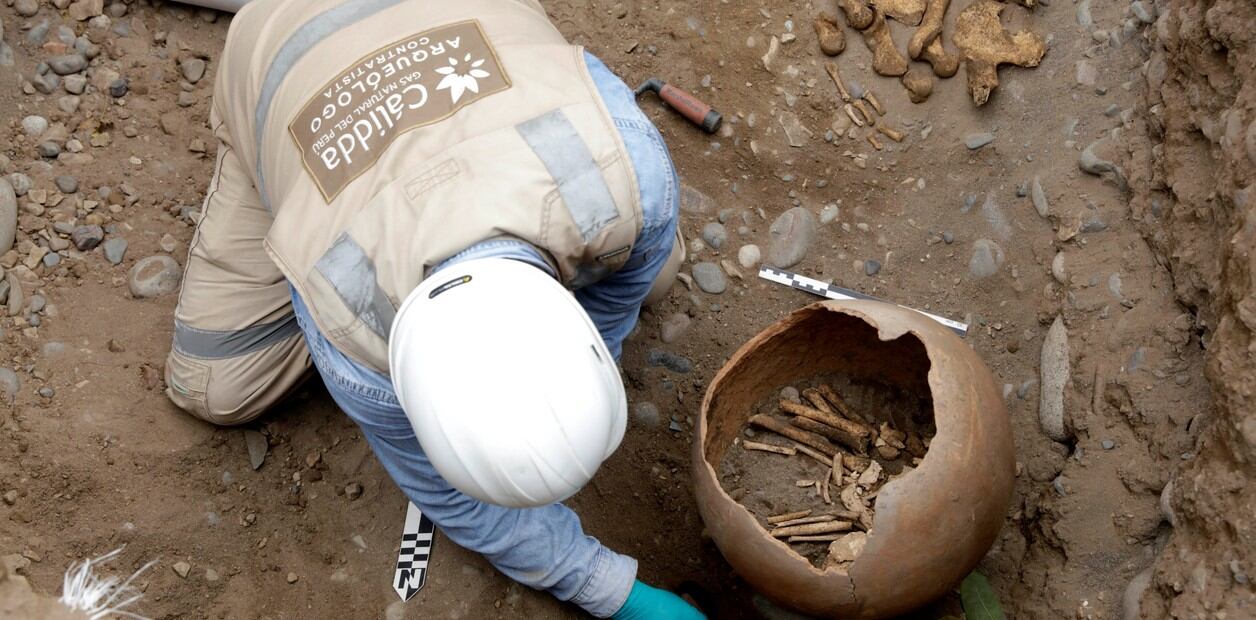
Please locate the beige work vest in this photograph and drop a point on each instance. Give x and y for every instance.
(388, 135)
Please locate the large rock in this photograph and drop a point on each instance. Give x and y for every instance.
(154, 276)
(986, 259)
(792, 235)
(115, 250)
(710, 278)
(8, 215)
(67, 64)
(84, 10)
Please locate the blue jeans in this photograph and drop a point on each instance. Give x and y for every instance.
(543, 548)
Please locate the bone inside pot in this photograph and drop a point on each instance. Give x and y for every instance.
(929, 519)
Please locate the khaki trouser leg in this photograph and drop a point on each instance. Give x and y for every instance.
(237, 348)
(667, 276)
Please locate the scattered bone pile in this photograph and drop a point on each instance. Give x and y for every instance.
(983, 43)
(859, 455)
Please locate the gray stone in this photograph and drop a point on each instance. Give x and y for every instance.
(66, 64)
(66, 184)
(26, 8)
(749, 255)
(48, 149)
(257, 446)
(791, 394)
(115, 250)
(1114, 285)
(1107, 444)
(74, 84)
(710, 278)
(21, 183)
(46, 83)
(692, 200)
(829, 213)
(193, 69)
(948, 237)
(1039, 198)
(669, 360)
(1086, 73)
(6, 55)
(1131, 600)
(39, 33)
(646, 414)
(673, 327)
(8, 215)
(792, 235)
(872, 267)
(86, 238)
(34, 126)
(10, 385)
(154, 276)
(47, 392)
(1054, 366)
(16, 297)
(975, 141)
(1084, 18)
(986, 259)
(119, 87)
(1144, 11)
(51, 259)
(715, 235)
(69, 104)
(970, 201)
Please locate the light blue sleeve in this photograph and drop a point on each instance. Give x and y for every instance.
(614, 303)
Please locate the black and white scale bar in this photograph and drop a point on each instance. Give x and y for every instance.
(816, 287)
(416, 548)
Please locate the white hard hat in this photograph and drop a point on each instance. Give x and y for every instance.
(506, 381)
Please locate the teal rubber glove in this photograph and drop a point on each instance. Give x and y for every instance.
(647, 603)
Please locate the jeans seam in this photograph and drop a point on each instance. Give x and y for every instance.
(323, 363)
(581, 596)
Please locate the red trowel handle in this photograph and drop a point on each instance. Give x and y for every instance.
(689, 106)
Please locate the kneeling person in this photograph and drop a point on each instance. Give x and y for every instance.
(457, 230)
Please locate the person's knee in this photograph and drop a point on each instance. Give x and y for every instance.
(191, 384)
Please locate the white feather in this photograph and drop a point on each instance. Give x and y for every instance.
(101, 597)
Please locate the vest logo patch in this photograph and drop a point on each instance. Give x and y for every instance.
(421, 79)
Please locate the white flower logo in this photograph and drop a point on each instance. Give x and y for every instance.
(460, 83)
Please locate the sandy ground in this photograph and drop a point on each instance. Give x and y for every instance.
(96, 458)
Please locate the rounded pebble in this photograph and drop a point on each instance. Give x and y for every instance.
(986, 259)
(154, 276)
(34, 126)
(748, 256)
(710, 277)
(714, 235)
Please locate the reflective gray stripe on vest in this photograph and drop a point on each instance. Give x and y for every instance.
(307, 36)
(559, 146)
(213, 344)
(351, 272)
